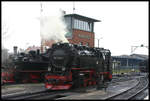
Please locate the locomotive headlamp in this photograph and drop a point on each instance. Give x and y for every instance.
(58, 43)
(49, 68)
(81, 74)
(63, 69)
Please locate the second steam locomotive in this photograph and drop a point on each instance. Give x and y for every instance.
(77, 66)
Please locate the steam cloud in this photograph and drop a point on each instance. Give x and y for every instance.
(53, 28)
(24, 32)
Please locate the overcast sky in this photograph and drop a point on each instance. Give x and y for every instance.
(123, 24)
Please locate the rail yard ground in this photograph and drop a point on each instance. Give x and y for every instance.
(117, 86)
(22, 88)
(119, 71)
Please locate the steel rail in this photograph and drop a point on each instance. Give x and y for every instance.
(19, 94)
(130, 93)
(134, 95)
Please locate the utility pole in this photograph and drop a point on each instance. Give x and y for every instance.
(41, 10)
(133, 48)
(73, 7)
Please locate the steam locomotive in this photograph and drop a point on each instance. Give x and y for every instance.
(31, 67)
(26, 67)
(73, 66)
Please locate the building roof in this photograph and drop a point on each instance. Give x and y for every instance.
(140, 56)
(123, 56)
(82, 17)
(133, 56)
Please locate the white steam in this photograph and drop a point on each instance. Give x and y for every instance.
(22, 29)
(53, 28)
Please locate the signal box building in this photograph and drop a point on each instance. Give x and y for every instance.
(80, 29)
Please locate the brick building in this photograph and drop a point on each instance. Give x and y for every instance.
(81, 29)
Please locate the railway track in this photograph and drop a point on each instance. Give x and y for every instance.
(19, 95)
(48, 94)
(129, 94)
(45, 94)
(121, 79)
(37, 95)
(59, 94)
(133, 92)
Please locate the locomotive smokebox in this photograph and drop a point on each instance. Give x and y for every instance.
(15, 50)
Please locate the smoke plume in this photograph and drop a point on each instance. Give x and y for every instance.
(53, 28)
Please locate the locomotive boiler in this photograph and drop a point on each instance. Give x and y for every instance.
(73, 66)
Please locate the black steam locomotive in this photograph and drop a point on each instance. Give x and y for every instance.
(31, 66)
(32, 60)
(77, 66)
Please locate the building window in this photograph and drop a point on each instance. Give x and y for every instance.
(82, 25)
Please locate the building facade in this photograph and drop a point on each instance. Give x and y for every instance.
(80, 29)
(129, 61)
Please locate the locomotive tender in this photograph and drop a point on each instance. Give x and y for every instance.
(73, 66)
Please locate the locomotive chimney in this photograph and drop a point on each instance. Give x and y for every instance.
(38, 52)
(15, 50)
(64, 12)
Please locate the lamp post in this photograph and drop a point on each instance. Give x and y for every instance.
(99, 40)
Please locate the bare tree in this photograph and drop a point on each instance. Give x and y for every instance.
(5, 31)
(5, 56)
(4, 52)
